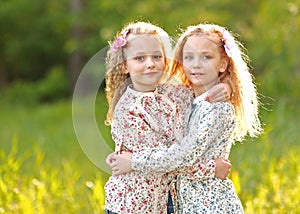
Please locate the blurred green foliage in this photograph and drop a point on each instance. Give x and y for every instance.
(51, 88)
(42, 167)
(41, 36)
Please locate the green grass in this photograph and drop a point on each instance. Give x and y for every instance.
(48, 188)
(44, 170)
(42, 166)
(266, 171)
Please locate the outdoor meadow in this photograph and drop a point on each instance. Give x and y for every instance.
(44, 48)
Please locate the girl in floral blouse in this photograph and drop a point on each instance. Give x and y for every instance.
(143, 114)
(205, 54)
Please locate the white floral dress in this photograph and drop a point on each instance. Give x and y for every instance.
(142, 121)
(209, 136)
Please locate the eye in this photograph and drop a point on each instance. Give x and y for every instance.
(206, 57)
(139, 58)
(189, 57)
(157, 57)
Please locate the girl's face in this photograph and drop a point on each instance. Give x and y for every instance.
(145, 61)
(202, 63)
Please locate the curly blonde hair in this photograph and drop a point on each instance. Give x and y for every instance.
(117, 77)
(238, 76)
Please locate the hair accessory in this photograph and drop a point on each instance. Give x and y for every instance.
(120, 41)
(228, 43)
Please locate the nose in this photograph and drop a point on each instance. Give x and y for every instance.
(150, 63)
(197, 62)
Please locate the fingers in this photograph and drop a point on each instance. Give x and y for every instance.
(109, 159)
(223, 167)
(117, 172)
(215, 94)
(116, 165)
(119, 163)
(227, 164)
(220, 92)
(115, 168)
(210, 97)
(226, 95)
(217, 97)
(226, 91)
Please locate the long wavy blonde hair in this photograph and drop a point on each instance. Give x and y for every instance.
(238, 75)
(117, 77)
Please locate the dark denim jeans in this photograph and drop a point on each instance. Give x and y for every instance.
(170, 208)
(109, 212)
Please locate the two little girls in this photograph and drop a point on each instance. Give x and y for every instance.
(149, 119)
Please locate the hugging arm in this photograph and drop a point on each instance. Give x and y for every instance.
(199, 139)
(219, 168)
(219, 93)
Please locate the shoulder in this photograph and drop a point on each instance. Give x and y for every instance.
(218, 115)
(176, 91)
(218, 109)
(172, 87)
(126, 99)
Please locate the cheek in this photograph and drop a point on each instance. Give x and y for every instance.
(161, 65)
(133, 69)
(185, 64)
(186, 70)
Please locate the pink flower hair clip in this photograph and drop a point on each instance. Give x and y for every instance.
(228, 43)
(120, 41)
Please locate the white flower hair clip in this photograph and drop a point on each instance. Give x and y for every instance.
(228, 43)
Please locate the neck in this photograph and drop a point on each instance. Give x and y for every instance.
(145, 88)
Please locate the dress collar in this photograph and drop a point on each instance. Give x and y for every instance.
(139, 93)
(200, 98)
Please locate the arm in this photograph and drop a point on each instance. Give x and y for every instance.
(208, 125)
(218, 168)
(220, 92)
(207, 167)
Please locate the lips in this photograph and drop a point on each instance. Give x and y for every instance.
(196, 74)
(151, 72)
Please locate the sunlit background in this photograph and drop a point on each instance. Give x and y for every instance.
(44, 46)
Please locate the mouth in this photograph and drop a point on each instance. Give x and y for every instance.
(151, 73)
(196, 74)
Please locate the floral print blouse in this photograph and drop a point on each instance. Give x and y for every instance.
(142, 121)
(208, 136)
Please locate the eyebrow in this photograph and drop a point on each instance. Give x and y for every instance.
(202, 52)
(145, 53)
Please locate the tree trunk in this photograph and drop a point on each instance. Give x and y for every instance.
(76, 35)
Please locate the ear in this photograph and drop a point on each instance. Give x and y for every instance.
(224, 65)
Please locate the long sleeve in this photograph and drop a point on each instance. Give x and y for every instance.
(210, 124)
(202, 169)
(141, 121)
(144, 123)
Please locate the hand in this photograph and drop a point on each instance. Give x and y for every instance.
(110, 159)
(219, 93)
(120, 164)
(223, 167)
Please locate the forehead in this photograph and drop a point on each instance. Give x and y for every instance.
(199, 43)
(146, 43)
